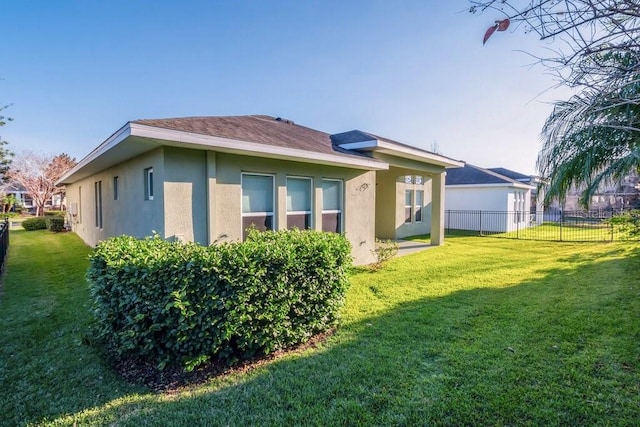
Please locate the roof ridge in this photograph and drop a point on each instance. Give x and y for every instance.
(495, 174)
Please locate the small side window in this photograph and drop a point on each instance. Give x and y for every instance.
(148, 184)
(408, 206)
(116, 182)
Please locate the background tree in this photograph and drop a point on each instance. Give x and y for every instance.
(594, 136)
(5, 154)
(38, 174)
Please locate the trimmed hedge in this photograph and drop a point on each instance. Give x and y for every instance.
(36, 223)
(182, 303)
(55, 223)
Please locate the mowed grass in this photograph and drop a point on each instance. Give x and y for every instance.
(479, 331)
(571, 232)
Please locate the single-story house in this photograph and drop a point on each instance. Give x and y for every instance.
(485, 200)
(208, 179)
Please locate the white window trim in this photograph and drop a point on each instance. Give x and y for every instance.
(341, 181)
(417, 207)
(311, 198)
(148, 183)
(410, 206)
(273, 198)
(342, 202)
(97, 188)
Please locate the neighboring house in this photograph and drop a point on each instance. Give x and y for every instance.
(499, 203)
(23, 200)
(537, 198)
(207, 179)
(611, 196)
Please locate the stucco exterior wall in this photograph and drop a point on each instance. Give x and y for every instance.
(358, 207)
(185, 195)
(198, 197)
(131, 213)
(390, 206)
(413, 228)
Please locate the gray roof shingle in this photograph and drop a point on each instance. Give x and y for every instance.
(512, 174)
(470, 175)
(259, 129)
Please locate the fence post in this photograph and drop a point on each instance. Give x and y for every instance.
(611, 226)
(561, 222)
(446, 231)
(481, 223)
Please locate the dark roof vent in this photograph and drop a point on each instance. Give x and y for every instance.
(280, 119)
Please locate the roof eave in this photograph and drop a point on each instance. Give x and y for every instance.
(493, 184)
(120, 135)
(169, 137)
(384, 147)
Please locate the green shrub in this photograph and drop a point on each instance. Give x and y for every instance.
(55, 223)
(55, 213)
(628, 223)
(182, 303)
(37, 223)
(384, 251)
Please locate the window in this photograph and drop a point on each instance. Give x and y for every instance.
(408, 206)
(257, 202)
(518, 206)
(80, 204)
(419, 204)
(299, 202)
(116, 181)
(419, 180)
(148, 184)
(332, 205)
(98, 198)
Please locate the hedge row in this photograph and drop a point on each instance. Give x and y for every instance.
(49, 222)
(182, 303)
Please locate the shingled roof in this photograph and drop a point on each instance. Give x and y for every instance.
(260, 129)
(475, 175)
(512, 174)
(254, 135)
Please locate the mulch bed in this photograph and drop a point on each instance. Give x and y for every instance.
(174, 378)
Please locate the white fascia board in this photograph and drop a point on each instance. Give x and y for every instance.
(115, 139)
(494, 185)
(253, 148)
(402, 151)
(362, 145)
(420, 155)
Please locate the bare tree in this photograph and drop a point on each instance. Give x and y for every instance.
(38, 174)
(594, 47)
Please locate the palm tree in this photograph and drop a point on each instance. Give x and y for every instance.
(594, 137)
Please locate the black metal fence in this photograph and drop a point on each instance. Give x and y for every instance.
(574, 226)
(4, 241)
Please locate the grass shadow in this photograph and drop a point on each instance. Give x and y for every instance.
(559, 347)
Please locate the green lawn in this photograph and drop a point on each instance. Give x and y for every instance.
(480, 331)
(571, 232)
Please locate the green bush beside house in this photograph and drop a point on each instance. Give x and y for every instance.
(185, 304)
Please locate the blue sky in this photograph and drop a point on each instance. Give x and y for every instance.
(415, 71)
